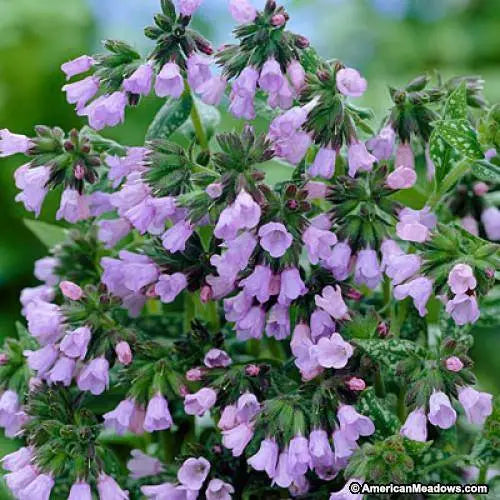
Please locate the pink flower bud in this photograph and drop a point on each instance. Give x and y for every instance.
(355, 384)
(4, 358)
(195, 374)
(183, 391)
(252, 370)
(123, 353)
(71, 290)
(79, 172)
(453, 364)
(205, 294)
(354, 294)
(490, 273)
(480, 188)
(382, 329)
(278, 20)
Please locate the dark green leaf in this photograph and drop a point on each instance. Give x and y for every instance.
(170, 117)
(440, 153)
(49, 234)
(209, 116)
(486, 171)
(456, 105)
(461, 136)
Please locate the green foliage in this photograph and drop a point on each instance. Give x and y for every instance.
(171, 116)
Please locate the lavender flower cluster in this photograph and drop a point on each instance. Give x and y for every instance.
(239, 337)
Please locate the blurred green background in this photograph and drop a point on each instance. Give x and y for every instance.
(390, 41)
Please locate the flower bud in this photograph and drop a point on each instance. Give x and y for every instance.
(252, 370)
(124, 353)
(278, 20)
(71, 290)
(355, 384)
(453, 364)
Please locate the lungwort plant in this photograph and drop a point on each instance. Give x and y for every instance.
(203, 332)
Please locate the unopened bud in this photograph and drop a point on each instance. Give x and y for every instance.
(382, 329)
(354, 294)
(454, 364)
(71, 290)
(355, 384)
(252, 370)
(4, 358)
(183, 391)
(123, 353)
(195, 374)
(278, 20)
(79, 172)
(490, 273)
(205, 294)
(480, 188)
(69, 146)
(301, 42)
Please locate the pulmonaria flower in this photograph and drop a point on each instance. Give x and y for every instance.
(402, 178)
(142, 465)
(111, 231)
(108, 488)
(219, 490)
(266, 458)
(345, 492)
(43, 293)
(367, 270)
(94, 377)
(332, 302)
(441, 413)
(169, 286)
(324, 164)
(453, 364)
(140, 81)
(247, 408)
(123, 166)
(405, 156)
(359, 158)
(278, 322)
(320, 451)
(463, 309)
(74, 207)
(198, 70)
(42, 359)
(157, 414)
(271, 78)
(353, 424)
(401, 267)
(81, 92)
(216, 358)
(200, 402)
(415, 426)
(45, 270)
(282, 477)
(188, 7)
(18, 459)
(242, 11)
(333, 352)
(292, 286)
(259, 284)
(120, 419)
(321, 325)
(461, 279)
(251, 325)
(38, 489)
(212, 90)
(62, 371)
(236, 439)
(169, 81)
(275, 239)
(11, 144)
(193, 472)
(106, 111)
(20, 478)
(414, 225)
(350, 82)
(228, 418)
(298, 456)
(243, 93)
(237, 307)
(44, 321)
(419, 289)
(175, 238)
(491, 222)
(9, 406)
(339, 261)
(296, 74)
(33, 185)
(80, 491)
(477, 405)
(77, 66)
(319, 243)
(382, 145)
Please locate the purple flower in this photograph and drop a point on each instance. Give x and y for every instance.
(76, 66)
(122, 166)
(414, 225)
(219, 490)
(303, 350)
(415, 426)
(354, 424)
(454, 364)
(142, 465)
(42, 359)
(94, 377)
(169, 81)
(247, 408)
(44, 321)
(120, 418)
(81, 92)
(187, 7)
(324, 164)
(237, 307)
(491, 222)
(236, 257)
(463, 309)
(169, 491)
(111, 231)
(282, 477)
(216, 358)
(17, 480)
(227, 419)
(236, 439)
(157, 414)
(45, 270)
(9, 406)
(344, 446)
(259, 284)
(401, 267)
(441, 412)
(212, 90)
(266, 458)
(169, 286)
(316, 190)
(339, 261)
(74, 207)
(62, 371)
(18, 459)
(359, 158)
(322, 325)
(419, 289)
(367, 270)
(333, 352)
(319, 243)
(402, 178)
(251, 326)
(278, 322)
(461, 279)
(297, 75)
(275, 239)
(404, 156)
(106, 111)
(80, 491)
(74, 344)
(193, 472)
(350, 82)
(38, 489)
(109, 489)
(243, 93)
(175, 238)
(345, 492)
(382, 145)
(292, 286)
(43, 293)
(332, 302)
(198, 70)
(32, 182)
(271, 78)
(243, 11)
(139, 82)
(200, 402)
(477, 405)
(71, 290)
(299, 459)
(10, 143)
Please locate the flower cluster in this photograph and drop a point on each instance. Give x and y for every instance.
(239, 335)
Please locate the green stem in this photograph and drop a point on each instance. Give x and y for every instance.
(448, 182)
(198, 127)
(379, 384)
(453, 459)
(483, 472)
(402, 405)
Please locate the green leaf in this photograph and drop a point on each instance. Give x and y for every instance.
(49, 234)
(102, 144)
(168, 9)
(456, 105)
(440, 153)
(210, 118)
(461, 136)
(171, 116)
(486, 171)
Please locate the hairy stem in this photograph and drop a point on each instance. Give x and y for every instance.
(198, 127)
